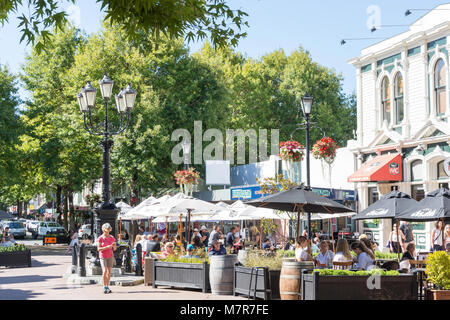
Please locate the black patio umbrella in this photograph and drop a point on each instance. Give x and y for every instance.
(435, 206)
(390, 206)
(299, 199)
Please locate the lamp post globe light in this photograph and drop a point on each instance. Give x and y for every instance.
(307, 102)
(107, 211)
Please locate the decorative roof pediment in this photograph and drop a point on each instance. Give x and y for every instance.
(432, 129)
(385, 136)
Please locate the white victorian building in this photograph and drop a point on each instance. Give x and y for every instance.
(403, 117)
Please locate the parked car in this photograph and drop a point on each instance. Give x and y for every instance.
(33, 226)
(15, 228)
(85, 231)
(50, 228)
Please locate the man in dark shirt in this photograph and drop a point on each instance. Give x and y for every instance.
(154, 245)
(205, 235)
(230, 237)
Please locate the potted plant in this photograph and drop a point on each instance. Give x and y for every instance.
(187, 179)
(377, 284)
(325, 149)
(261, 269)
(438, 273)
(182, 272)
(16, 255)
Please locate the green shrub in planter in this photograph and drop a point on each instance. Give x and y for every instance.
(438, 269)
(332, 272)
(385, 255)
(183, 259)
(15, 248)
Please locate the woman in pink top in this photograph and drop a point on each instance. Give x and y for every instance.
(106, 245)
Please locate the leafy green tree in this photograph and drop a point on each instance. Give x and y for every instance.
(65, 155)
(174, 90)
(192, 19)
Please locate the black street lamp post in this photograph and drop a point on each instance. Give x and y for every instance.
(307, 102)
(107, 210)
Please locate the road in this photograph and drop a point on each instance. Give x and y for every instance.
(44, 281)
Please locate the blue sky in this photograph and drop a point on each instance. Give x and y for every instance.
(317, 25)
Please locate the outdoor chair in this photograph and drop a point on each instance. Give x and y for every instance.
(342, 265)
(418, 263)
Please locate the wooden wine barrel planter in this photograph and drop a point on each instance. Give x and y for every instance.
(291, 278)
(221, 273)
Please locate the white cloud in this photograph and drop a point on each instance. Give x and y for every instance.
(74, 13)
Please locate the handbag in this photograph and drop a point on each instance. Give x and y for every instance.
(388, 244)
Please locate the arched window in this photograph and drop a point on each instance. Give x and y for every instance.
(440, 84)
(416, 170)
(386, 100)
(398, 98)
(440, 170)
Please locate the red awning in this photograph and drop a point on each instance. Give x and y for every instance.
(387, 167)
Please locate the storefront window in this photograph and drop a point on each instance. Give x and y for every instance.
(416, 170)
(417, 192)
(440, 170)
(440, 84)
(386, 99)
(371, 223)
(398, 98)
(373, 195)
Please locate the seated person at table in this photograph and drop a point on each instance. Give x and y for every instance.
(154, 244)
(365, 258)
(197, 243)
(325, 257)
(237, 245)
(169, 250)
(409, 254)
(190, 252)
(367, 242)
(342, 252)
(303, 249)
(217, 249)
(267, 245)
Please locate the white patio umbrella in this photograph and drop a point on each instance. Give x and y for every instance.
(134, 213)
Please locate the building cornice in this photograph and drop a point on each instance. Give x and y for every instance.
(412, 41)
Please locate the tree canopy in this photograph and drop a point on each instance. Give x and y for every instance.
(191, 19)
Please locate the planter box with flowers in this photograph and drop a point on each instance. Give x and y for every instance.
(328, 284)
(14, 256)
(438, 274)
(187, 179)
(291, 152)
(181, 273)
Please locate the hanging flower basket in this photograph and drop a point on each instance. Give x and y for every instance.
(187, 179)
(325, 149)
(290, 152)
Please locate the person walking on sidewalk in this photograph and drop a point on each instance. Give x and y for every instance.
(106, 245)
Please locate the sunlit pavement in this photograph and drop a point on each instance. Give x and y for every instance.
(44, 281)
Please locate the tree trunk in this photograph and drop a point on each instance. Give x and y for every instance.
(19, 209)
(134, 187)
(72, 211)
(58, 202)
(66, 209)
(25, 208)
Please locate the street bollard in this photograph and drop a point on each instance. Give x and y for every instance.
(74, 259)
(126, 260)
(82, 264)
(139, 260)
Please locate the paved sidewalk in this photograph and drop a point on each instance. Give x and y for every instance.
(44, 281)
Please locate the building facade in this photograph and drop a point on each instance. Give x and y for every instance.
(403, 109)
